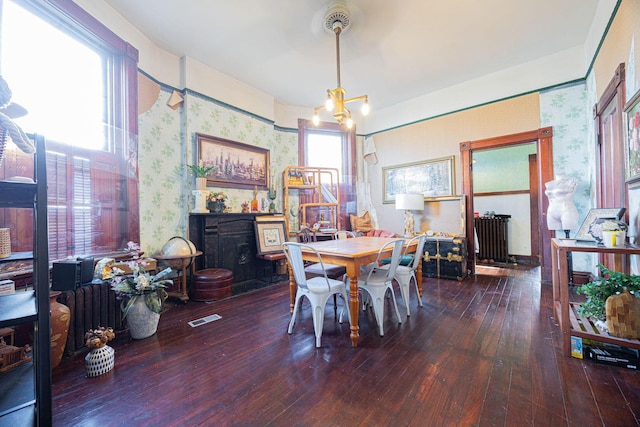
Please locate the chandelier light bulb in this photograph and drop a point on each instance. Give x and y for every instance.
(329, 103)
(349, 122)
(365, 107)
(316, 118)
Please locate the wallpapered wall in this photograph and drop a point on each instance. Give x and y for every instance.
(167, 144)
(566, 110)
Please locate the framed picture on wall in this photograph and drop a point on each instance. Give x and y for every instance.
(237, 165)
(432, 178)
(632, 138)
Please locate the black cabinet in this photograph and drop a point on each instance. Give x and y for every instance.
(227, 241)
(25, 397)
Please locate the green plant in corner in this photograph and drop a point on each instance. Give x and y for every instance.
(610, 283)
(201, 170)
(140, 283)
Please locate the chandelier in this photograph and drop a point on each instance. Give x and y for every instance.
(336, 21)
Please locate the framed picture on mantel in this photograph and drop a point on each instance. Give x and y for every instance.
(270, 233)
(237, 165)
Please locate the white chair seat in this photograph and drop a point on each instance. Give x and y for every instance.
(318, 285)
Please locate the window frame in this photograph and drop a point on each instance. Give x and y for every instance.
(348, 177)
(121, 109)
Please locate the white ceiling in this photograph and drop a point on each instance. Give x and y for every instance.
(394, 51)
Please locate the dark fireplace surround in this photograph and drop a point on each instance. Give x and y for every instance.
(228, 241)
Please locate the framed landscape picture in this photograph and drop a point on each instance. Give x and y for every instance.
(237, 165)
(431, 178)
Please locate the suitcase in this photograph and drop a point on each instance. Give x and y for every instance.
(445, 258)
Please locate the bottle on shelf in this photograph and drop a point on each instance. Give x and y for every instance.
(254, 201)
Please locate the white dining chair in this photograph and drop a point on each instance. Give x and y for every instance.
(406, 273)
(317, 289)
(379, 281)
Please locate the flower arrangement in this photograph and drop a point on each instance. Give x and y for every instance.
(140, 284)
(201, 170)
(217, 196)
(99, 337)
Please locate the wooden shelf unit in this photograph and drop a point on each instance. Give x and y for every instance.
(26, 396)
(320, 190)
(569, 320)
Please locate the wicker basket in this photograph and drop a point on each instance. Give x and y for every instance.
(623, 315)
(5, 243)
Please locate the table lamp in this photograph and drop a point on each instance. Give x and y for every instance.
(409, 202)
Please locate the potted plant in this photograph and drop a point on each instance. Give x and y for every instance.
(610, 283)
(201, 171)
(141, 297)
(101, 358)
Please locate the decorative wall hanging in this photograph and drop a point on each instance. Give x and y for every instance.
(237, 165)
(431, 178)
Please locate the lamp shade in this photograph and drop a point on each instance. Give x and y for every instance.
(411, 202)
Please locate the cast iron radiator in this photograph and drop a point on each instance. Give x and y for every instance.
(493, 239)
(90, 306)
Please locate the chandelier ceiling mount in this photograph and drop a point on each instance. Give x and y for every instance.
(336, 21)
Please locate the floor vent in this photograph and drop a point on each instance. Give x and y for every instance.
(204, 320)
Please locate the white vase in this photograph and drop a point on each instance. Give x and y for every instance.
(141, 320)
(201, 184)
(99, 361)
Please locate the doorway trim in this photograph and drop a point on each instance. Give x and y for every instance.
(543, 138)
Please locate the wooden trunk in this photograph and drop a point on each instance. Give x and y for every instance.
(445, 258)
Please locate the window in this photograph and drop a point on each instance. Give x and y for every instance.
(78, 81)
(332, 146)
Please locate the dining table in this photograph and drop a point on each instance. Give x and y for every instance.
(352, 253)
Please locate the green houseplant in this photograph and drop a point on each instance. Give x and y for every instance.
(610, 283)
(140, 284)
(141, 297)
(201, 170)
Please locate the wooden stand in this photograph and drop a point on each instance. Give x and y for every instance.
(569, 320)
(180, 263)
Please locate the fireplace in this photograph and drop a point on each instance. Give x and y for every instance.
(227, 241)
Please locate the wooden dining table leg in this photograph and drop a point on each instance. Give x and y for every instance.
(293, 288)
(354, 306)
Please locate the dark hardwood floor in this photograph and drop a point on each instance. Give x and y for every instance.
(480, 352)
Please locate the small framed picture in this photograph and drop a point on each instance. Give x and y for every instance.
(593, 216)
(270, 234)
(632, 138)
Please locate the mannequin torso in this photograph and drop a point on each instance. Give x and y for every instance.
(562, 213)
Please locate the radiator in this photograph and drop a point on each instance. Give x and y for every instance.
(90, 306)
(493, 239)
